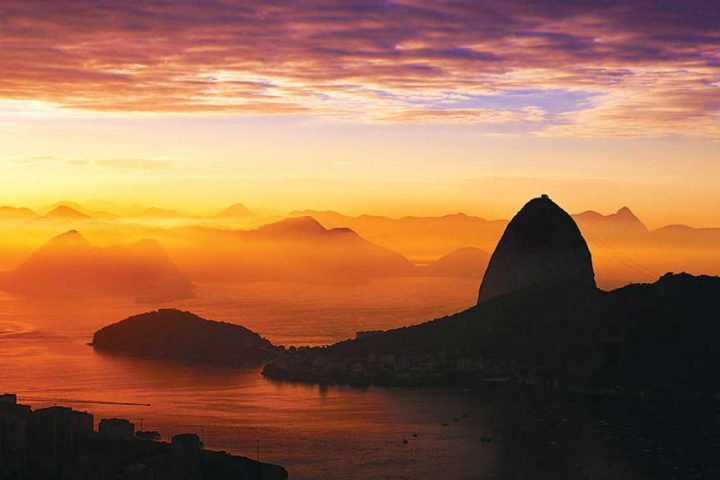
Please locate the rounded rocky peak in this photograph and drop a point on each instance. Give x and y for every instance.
(71, 238)
(625, 212)
(541, 245)
(64, 211)
(295, 225)
(237, 210)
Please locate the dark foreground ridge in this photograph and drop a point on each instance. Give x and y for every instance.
(175, 334)
(59, 443)
(640, 337)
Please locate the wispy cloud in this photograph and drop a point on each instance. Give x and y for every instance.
(628, 68)
(126, 163)
(134, 163)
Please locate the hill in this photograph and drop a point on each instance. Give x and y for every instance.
(622, 225)
(236, 210)
(467, 262)
(69, 265)
(16, 213)
(175, 334)
(297, 249)
(64, 212)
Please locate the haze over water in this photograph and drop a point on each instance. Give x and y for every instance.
(316, 432)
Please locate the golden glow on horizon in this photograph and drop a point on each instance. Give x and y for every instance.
(202, 164)
(321, 107)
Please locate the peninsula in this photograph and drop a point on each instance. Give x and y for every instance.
(541, 320)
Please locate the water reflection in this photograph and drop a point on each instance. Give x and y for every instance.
(323, 432)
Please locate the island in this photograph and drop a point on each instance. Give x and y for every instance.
(181, 335)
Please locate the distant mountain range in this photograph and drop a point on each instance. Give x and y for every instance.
(460, 230)
(623, 249)
(417, 237)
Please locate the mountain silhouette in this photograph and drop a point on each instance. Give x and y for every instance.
(541, 245)
(622, 225)
(171, 333)
(68, 264)
(292, 227)
(466, 262)
(236, 210)
(417, 237)
(294, 249)
(64, 212)
(7, 212)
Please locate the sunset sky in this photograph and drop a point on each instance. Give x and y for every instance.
(385, 107)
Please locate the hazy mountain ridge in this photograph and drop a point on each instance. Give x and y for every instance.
(292, 249)
(68, 264)
(624, 250)
(467, 262)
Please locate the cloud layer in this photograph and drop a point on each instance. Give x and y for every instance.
(574, 67)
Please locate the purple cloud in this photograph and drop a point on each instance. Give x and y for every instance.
(644, 63)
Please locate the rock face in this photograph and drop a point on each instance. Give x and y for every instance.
(175, 334)
(541, 245)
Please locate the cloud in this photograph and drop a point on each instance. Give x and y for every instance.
(624, 67)
(128, 163)
(133, 163)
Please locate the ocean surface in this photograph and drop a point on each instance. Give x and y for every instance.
(315, 432)
(340, 432)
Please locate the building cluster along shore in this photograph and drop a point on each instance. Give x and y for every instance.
(61, 443)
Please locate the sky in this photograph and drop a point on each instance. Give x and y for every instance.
(384, 107)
